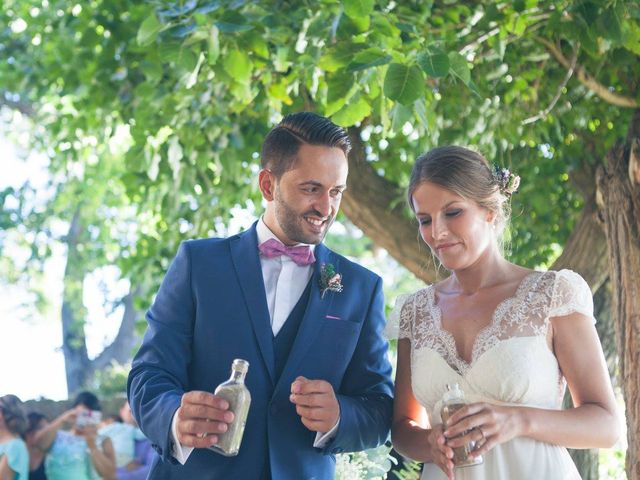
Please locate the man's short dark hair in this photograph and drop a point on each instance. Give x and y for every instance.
(282, 143)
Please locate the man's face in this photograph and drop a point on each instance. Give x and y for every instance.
(304, 202)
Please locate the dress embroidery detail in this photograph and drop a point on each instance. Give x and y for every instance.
(539, 297)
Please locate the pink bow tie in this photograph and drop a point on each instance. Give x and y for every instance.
(301, 255)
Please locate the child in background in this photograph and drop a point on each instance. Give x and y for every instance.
(133, 450)
(122, 436)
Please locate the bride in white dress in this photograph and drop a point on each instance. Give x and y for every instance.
(512, 338)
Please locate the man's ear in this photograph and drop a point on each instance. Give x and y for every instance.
(491, 216)
(266, 182)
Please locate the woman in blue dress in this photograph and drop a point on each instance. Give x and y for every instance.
(80, 453)
(14, 457)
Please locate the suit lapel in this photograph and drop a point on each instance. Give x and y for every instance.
(314, 314)
(246, 260)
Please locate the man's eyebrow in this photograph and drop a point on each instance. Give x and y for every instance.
(316, 183)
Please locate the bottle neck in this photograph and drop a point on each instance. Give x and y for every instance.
(238, 376)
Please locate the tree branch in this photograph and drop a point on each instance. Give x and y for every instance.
(545, 112)
(22, 107)
(588, 81)
(126, 339)
(376, 206)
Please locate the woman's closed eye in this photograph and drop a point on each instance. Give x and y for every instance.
(448, 214)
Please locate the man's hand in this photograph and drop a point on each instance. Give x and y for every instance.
(316, 404)
(201, 416)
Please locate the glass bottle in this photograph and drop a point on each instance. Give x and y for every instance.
(452, 401)
(236, 393)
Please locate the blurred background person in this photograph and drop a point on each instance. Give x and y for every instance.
(35, 421)
(80, 453)
(139, 466)
(14, 456)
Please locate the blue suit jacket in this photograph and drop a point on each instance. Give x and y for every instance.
(210, 309)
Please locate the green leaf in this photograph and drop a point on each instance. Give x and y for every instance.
(358, 8)
(340, 88)
(610, 23)
(474, 88)
(372, 57)
(400, 115)
(353, 112)
(233, 22)
(403, 83)
(227, 27)
(434, 64)
(281, 62)
(187, 59)
(170, 51)
(148, 30)
(152, 71)
(192, 78)
(279, 92)
(208, 7)
(458, 66)
(238, 65)
(182, 31)
(338, 57)
(178, 11)
(339, 85)
(631, 37)
(258, 45)
(213, 42)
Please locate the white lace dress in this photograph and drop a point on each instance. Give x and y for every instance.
(511, 364)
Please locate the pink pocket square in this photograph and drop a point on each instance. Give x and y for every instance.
(331, 317)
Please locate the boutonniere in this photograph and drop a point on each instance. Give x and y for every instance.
(330, 280)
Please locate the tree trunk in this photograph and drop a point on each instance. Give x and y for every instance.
(377, 207)
(122, 348)
(74, 347)
(619, 200)
(586, 249)
(79, 369)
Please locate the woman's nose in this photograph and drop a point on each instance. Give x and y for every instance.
(438, 229)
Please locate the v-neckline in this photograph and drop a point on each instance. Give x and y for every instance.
(437, 317)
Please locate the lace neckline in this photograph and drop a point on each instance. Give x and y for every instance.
(461, 364)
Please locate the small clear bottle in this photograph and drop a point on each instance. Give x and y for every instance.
(236, 393)
(452, 401)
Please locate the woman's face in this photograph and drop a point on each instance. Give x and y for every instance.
(458, 231)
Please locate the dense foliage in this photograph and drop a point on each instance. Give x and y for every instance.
(152, 113)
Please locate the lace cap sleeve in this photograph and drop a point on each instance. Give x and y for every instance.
(571, 294)
(399, 321)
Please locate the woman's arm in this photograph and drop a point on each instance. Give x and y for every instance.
(6, 473)
(410, 435)
(592, 423)
(103, 457)
(43, 438)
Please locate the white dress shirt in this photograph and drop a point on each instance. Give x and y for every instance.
(284, 282)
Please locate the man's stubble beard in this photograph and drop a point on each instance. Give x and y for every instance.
(291, 222)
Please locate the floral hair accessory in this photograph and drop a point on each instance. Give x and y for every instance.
(330, 280)
(508, 182)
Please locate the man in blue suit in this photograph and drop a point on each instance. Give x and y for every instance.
(308, 321)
